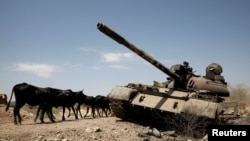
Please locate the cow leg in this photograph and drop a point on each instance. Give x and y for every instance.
(93, 111)
(37, 113)
(42, 114)
(98, 111)
(69, 111)
(104, 111)
(63, 118)
(16, 111)
(50, 114)
(79, 110)
(19, 117)
(74, 112)
(86, 112)
(48, 110)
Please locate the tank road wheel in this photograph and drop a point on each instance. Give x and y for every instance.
(119, 108)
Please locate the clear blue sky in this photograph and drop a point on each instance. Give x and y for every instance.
(56, 43)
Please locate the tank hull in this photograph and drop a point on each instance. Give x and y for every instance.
(124, 99)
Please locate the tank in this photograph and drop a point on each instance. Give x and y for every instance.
(183, 92)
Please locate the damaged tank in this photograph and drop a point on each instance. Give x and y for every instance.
(183, 93)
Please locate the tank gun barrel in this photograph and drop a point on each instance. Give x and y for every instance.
(112, 34)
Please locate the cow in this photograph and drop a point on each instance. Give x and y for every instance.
(89, 101)
(96, 103)
(66, 102)
(41, 111)
(102, 103)
(25, 93)
(37, 96)
(3, 99)
(67, 99)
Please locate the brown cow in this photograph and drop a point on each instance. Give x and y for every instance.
(3, 99)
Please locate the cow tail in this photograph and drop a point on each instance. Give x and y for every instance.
(7, 107)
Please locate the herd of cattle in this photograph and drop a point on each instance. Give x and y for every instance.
(47, 98)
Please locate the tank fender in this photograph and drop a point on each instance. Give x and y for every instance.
(122, 93)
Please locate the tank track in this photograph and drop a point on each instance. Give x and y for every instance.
(125, 111)
(118, 108)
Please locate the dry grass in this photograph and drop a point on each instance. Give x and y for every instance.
(241, 95)
(188, 125)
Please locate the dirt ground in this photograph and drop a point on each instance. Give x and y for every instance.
(98, 129)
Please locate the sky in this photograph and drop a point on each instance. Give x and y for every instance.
(56, 43)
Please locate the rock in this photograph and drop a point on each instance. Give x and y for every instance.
(96, 129)
(93, 129)
(154, 132)
(170, 133)
(142, 135)
(88, 130)
(205, 138)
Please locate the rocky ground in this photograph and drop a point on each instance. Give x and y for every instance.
(88, 129)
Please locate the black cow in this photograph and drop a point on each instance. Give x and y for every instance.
(102, 103)
(32, 95)
(41, 111)
(29, 94)
(66, 101)
(89, 101)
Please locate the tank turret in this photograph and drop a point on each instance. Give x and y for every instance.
(180, 75)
